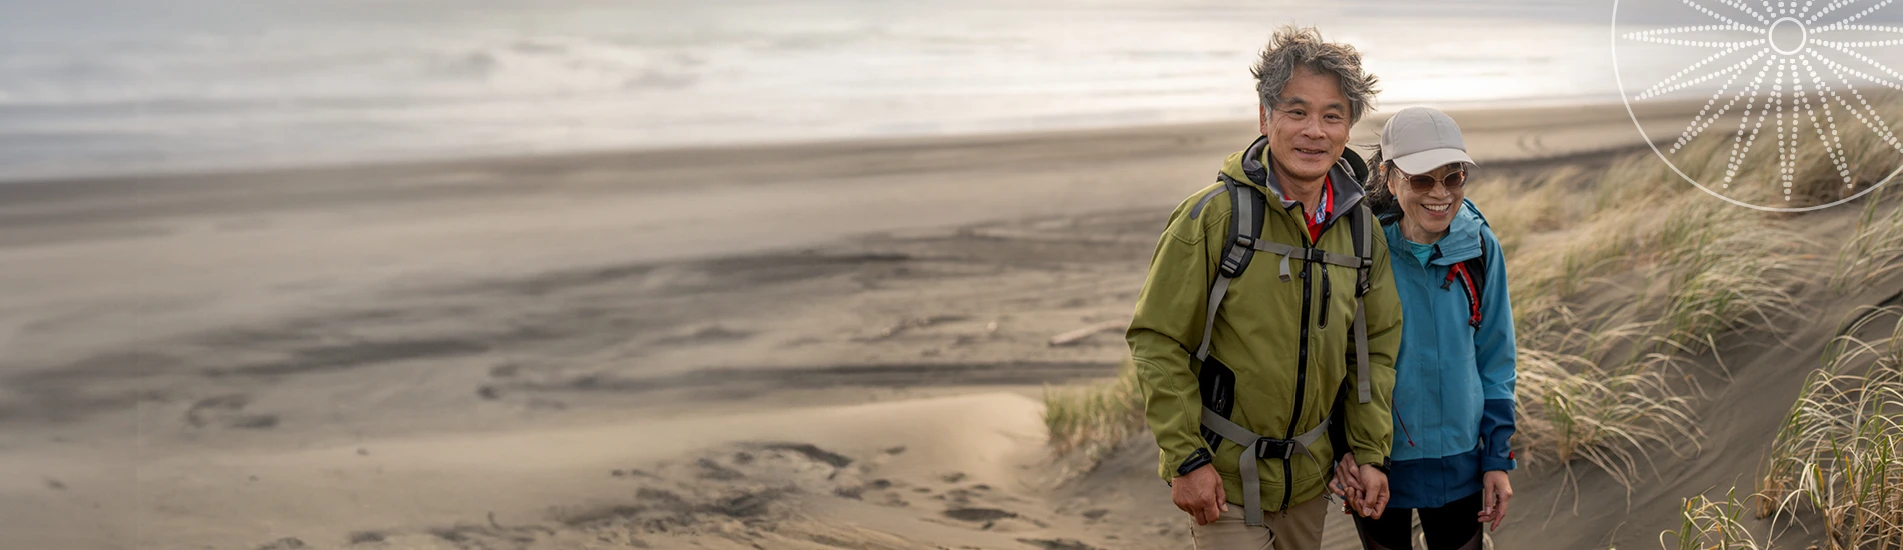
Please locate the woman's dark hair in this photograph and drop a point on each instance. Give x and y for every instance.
(1380, 199)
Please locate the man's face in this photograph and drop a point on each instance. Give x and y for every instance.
(1308, 128)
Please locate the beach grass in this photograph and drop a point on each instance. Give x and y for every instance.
(1875, 247)
(1708, 524)
(1573, 409)
(1839, 454)
(1092, 420)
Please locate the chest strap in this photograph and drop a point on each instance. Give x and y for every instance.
(1311, 255)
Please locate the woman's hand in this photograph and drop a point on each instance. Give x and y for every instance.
(1374, 491)
(1495, 492)
(1347, 484)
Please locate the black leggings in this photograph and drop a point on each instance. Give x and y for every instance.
(1449, 527)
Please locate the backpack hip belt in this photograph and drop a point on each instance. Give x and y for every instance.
(1255, 448)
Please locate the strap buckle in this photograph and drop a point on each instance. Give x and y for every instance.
(1230, 267)
(1274, 448)
(1234, 255)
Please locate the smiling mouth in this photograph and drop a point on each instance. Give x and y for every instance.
(1438, 208)
(1310, 151)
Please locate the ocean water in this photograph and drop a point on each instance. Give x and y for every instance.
(93, 87)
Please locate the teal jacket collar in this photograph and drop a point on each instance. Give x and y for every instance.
(1462, 242)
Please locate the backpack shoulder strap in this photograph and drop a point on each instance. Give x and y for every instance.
(1363, 228)
(1363, 220)
(1245, 224)
(1477, 266)
(1473, 278)
(1472, 272)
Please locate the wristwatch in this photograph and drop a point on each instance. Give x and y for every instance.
(1196, 460)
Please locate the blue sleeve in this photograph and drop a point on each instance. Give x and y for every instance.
(1495, 351)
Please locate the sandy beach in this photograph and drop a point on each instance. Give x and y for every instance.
(826, 345)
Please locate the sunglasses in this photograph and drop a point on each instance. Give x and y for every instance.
(1423, 183)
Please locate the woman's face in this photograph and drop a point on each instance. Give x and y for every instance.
(1430, 208)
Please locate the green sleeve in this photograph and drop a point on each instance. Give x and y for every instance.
(1371, 424)
(1167, 326)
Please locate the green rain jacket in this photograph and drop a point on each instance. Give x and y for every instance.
(1258, 335)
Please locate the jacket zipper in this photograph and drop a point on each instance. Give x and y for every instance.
(1301, 383)
(1301, 361)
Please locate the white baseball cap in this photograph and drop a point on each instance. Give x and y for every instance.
(1420, 139)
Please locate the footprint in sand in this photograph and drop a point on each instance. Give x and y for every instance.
(286, 543)
(227, 411)
(714, 471)
(1058, 544)
(979, 514)
(812, 452)
(991, 519)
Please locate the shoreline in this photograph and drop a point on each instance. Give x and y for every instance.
(1363, 137)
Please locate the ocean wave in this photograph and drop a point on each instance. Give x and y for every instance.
(433, 77)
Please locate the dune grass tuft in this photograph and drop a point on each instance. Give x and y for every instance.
(1840, 452)
(1874, 249)
(1728, 270)
(1092, 420)
(1711, 525)
(1571, 408)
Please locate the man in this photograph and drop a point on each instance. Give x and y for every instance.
(1244, 394)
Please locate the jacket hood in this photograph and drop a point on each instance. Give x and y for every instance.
(1463, 241)
(1249, 166)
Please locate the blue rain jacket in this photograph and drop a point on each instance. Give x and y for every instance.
(1453, 391)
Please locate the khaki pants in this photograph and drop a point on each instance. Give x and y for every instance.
(1297, 528)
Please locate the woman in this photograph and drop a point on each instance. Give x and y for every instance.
(1453, 390)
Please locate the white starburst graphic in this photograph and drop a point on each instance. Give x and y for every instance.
(1800, 76)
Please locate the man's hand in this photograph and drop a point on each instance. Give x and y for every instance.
(1200, 493)
(1347, 484)
(1374, 491)
(1494, 494)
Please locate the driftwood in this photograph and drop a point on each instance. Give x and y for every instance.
(1078, 335)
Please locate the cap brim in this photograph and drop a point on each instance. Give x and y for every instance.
(1426, 161)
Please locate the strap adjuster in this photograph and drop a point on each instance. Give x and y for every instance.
(1230, 267)
(1274, 448)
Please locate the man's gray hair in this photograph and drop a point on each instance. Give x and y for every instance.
(1303, 46)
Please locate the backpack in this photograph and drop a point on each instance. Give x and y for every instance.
(1217, 381)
